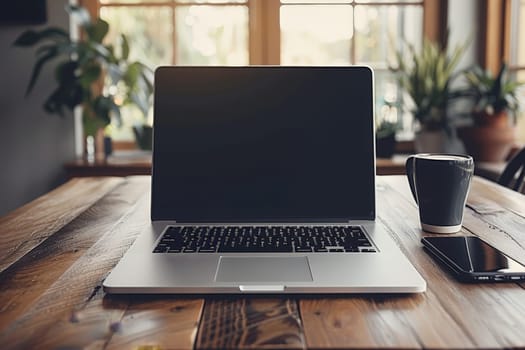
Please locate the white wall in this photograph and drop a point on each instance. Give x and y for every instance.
(33, 145)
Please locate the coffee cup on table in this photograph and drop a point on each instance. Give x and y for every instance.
(440, 184)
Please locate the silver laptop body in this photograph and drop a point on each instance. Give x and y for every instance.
(268, 148)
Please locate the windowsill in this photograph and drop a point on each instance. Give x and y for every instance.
(120, 163)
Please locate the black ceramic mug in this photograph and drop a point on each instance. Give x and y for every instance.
(440, 185)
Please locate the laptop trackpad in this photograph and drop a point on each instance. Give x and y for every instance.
(263, 269)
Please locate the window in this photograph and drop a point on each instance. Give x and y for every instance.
(177, 32)
(504, 41)
(184, 32)
(353, 32)
(287, 32)
(516, 54)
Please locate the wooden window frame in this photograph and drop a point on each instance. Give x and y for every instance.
(264, 29)
(495, 33)
(435, 18)
(264, 37)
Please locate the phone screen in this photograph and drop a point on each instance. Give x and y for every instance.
(473, 255)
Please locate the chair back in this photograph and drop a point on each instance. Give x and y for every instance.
(514, 174)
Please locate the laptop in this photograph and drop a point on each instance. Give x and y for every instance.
(263, 181)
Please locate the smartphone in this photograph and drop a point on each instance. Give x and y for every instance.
(473, 260)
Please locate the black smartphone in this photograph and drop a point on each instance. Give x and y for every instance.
(473, 260)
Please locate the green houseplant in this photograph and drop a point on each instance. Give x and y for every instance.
(495, 96)
(427, 78)
(97, 76)
(494, 114)
(386, 138)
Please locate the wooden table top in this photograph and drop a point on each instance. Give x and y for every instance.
(56, 251)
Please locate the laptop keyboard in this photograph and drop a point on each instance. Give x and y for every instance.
(264, 239)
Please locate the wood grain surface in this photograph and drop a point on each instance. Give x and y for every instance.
(40, 268)
(448, 315)
(56, 251)
(28, 226)
(248, 323)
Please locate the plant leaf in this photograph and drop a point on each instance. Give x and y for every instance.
(43, 49)
(102, 107)
(89, 75)
(147, 76)
(91, 120)
(27, 38)
(32, 37)
(69, 94)
(124, 47)
(52, 53)
(52, 105)
(65, 72)
(101, 50)
(140, 100)
(115, 111)
(132, 74)
(98, 30)
(115, 73)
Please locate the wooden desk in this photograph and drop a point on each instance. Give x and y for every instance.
(56, 251)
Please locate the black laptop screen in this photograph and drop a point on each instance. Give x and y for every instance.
(260, 144)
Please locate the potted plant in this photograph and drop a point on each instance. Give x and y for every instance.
(427, 78)
(143, 136)
(496, 106)
(89, 73)
(386, 139)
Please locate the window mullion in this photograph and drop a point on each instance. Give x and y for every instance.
(255, 31)
(435, 20)
(174, 33)
(93, 7)
(271, 31)
(353, 41)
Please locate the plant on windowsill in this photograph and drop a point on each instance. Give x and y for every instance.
(494, 114)
(99, 77)
(428, 79)
(386, 139)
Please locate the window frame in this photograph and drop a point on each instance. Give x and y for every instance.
(496, 42)
(495, 33)
(264, 39)
(264, 36)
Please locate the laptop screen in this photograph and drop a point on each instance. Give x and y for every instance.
(263, 144)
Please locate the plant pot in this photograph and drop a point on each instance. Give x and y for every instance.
(143, 136)
(437, 141)
(499, 120)
(108, 146)
(491, 138)
(385, 146)
(488, 143)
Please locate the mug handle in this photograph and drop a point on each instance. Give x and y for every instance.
(409, 166)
